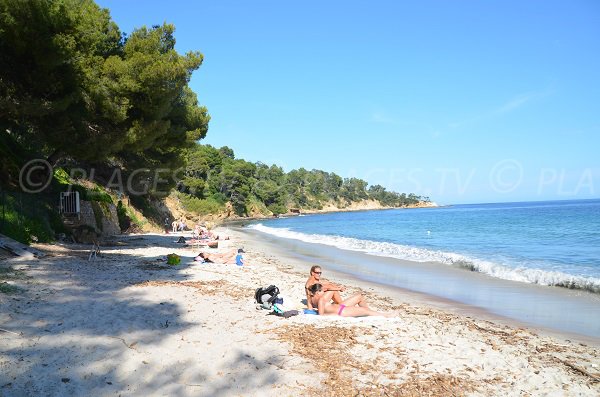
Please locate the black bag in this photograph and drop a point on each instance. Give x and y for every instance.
(266, 294)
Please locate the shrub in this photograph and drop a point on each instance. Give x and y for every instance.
(277, 209)
(173, 259)
(26, 217)
(201, 206)
(6, 288)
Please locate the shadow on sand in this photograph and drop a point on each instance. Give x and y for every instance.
(79, 326)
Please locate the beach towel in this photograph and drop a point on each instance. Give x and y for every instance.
(279, 312)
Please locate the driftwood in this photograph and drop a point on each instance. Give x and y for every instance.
(582, 371)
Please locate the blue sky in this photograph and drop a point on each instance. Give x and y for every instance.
(462, 101)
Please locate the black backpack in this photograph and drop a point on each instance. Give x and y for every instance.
(266, 294)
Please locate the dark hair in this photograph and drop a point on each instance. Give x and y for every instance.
(315, 288)
(315, 267)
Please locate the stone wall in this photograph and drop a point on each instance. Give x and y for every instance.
(110, 221)
(86, 214)
(108, 217)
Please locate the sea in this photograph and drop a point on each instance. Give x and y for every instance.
(552, 245)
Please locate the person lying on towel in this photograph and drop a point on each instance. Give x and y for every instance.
(224, 258)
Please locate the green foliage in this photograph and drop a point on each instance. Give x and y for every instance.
(6, 288)
(144, 205)
(393, 199)
(353, 189)
(48, 50)
(126, 216)
(205, 206)
(98, 194)
(173, 259)
(123, 217)
(61, 176)
(13, 156)
(277, 209)
(215, 174)
(72, 85)
(28, 217)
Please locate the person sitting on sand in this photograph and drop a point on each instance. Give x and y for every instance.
(196, 231)
(239, 258)
(355, 306)
(223, 258)
(331, 290)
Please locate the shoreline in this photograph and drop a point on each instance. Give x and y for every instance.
(405, 294)
(475, 292)
(130, 324)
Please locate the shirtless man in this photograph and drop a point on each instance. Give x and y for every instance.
(332, 291)
(351, 307)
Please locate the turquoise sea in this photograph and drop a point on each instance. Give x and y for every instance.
(553, 243)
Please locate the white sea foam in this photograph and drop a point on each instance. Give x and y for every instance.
(521, 274)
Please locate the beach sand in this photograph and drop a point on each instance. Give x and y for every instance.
(128, 324)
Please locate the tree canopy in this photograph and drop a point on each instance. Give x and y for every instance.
(216, 176)
(73, 85)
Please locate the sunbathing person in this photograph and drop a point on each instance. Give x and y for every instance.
(351, 307)
(223, 258)
(331, 290)
(202, 233)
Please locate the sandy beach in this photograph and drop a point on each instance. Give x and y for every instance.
(129, 324)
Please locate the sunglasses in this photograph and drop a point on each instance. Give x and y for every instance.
(318, 272)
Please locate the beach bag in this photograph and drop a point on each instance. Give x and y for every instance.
(266, 295)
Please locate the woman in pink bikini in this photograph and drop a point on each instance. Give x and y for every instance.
(354, 306)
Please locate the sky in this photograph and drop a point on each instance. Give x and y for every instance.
(459, 101)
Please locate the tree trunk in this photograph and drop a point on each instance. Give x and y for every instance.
(54, 157)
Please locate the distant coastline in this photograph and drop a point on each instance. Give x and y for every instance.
(365, 205)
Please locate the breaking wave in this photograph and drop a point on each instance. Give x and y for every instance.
(415, 254)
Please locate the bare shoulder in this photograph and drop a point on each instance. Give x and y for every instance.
(308, 284)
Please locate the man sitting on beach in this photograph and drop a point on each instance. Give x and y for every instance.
(332, 291)
(355, 306)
